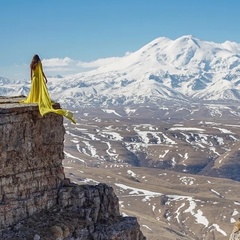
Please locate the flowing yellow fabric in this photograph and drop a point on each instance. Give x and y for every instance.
(39, 94)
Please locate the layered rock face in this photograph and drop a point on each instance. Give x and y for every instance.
(36, 201)
(235, 236)
(236, 231)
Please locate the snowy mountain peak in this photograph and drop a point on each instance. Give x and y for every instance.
(231, 46)
(186, 69)
(186, 39)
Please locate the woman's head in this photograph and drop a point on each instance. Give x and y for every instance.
(35, 60)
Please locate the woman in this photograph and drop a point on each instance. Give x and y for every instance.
(39, 93)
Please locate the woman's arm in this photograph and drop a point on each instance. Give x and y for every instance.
(31, 74)
(43, 72)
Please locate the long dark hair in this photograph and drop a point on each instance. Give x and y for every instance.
(35, 60)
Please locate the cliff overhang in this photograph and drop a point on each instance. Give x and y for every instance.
(36, 200)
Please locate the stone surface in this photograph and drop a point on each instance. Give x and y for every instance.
(236, 231)
(36, 200)
(235, 236)
(31, 154)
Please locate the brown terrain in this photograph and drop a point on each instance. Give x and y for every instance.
(175, 169)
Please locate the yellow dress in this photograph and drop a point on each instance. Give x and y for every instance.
(39, 94)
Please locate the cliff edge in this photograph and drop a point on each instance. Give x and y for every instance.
(37, 202)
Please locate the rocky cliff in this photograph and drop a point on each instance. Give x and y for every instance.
(36, 200)
(236, 231)
(235, 236)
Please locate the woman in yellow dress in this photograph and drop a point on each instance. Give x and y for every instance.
(39, 92)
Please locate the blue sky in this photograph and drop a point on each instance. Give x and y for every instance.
(86, 30)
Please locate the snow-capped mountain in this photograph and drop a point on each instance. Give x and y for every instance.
(186, 69)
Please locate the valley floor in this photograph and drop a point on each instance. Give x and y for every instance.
(177, 171)
(168, 205)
